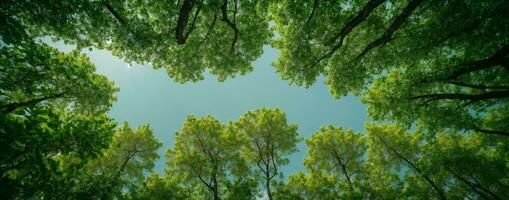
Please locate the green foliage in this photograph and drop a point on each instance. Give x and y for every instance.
(157, 187)
(438, 67)
(311, 185)
(33, 74)
(185, 37)
(353, 42)
(34, 144)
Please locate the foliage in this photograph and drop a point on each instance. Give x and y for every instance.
(436, 71)
(157, 187)
(33, 74)
(185, 37)
(32, 146)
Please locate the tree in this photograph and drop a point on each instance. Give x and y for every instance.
(185, 37)
(335, 151)
(52, 109)
(205, 154)
(130, 155)
(267, 141)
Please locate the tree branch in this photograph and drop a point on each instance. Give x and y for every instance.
(387, 36)
(313, 11)
(224, 13)
(348, 28)
(115, 14)
(498, 58)
(494, 132)
(206, 35)
(459, 96)
(439, 191)
(480, 87)
(184, 13)
(7, 108)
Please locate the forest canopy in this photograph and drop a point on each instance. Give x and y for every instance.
(433, 73)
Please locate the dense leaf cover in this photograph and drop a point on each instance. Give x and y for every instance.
(434, 74)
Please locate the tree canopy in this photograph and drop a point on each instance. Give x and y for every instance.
(434, 75)
(184, 37)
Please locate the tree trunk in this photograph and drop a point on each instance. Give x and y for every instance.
(267, 186)
(216, 194)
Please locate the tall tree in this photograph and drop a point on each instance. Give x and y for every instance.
(268, 140)
(205, 154)
(130, 155)
(338, 152)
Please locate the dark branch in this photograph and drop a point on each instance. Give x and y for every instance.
(348, 28)
(480, 87)
(387, 36)
(466, 182)
(206, 35)
(184, 13)
(232, 25)
(492, 132)
(438, 190)
(499, 58)
(313, 11)
(124, 164)
(358, 19)
(343, 167)
(7, 108)
(458, 96)
(115, 14)
(196, 13)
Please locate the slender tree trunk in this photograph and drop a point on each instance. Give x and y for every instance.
(350, 184)
(216, 194)
(269, 192)
(267, 182)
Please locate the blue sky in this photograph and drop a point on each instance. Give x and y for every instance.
(150, 96)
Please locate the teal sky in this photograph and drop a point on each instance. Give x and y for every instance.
(150, 96)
